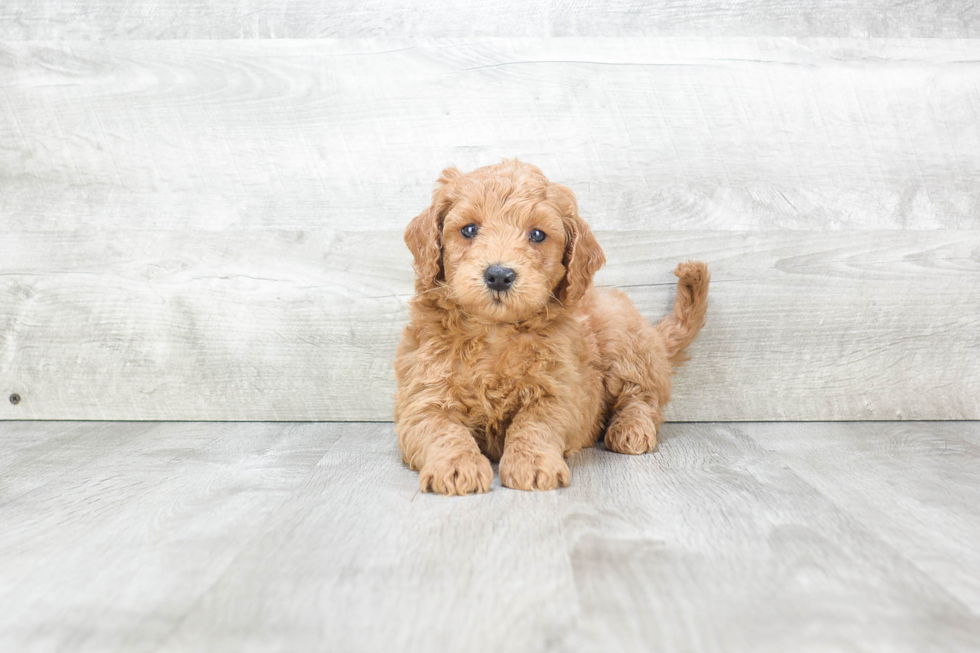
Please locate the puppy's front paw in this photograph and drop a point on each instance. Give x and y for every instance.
(457, 472)
(534, 471)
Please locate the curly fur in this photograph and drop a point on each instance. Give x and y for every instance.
(530, 375)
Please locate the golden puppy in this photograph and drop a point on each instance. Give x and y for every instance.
(511, 354)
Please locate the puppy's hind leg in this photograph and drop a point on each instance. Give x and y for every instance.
(644, 357)
(637, 376)
(635, 420)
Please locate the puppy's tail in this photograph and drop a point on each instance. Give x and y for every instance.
(679, 329)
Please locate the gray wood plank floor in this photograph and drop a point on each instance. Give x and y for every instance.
(308, 537)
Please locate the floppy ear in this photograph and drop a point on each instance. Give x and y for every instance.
(424, 233)
(583, 255)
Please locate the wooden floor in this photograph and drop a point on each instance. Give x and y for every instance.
(313, 537)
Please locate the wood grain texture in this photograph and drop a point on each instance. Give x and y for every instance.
(283, 537)
(669, 134)
(308, 19)
(122, 526)
(142, 325)
(897, 481)
(211, 229)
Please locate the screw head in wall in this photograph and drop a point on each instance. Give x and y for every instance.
(15, 399)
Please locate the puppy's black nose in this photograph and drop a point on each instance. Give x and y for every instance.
(499, 278)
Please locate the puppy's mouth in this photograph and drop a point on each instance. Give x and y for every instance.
(497, 306)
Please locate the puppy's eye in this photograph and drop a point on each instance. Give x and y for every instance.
(469, 231)
(536, 235)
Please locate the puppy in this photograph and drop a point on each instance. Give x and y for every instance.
(511, 354)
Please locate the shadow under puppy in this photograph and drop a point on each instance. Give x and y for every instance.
(511, 354)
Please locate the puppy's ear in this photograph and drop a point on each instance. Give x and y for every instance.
(424, 233)
(583, 255)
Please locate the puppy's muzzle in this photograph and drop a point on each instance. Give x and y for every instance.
(499, 278)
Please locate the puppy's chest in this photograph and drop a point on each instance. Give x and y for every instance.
(497, 376)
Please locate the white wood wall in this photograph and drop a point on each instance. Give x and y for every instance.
(201, 203)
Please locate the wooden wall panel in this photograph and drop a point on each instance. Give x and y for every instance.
(211, 229)
(270, 325)
(321, 19)
(666, 134)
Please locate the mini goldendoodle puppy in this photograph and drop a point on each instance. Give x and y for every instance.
(511, 354)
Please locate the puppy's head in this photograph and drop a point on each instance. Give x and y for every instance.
(504, 242)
